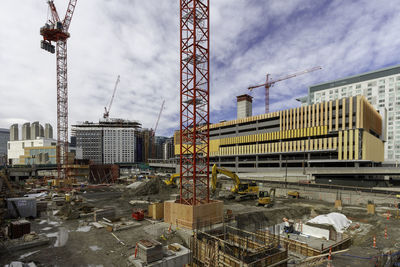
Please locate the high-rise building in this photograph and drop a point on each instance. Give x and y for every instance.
(244, 106)
(32, 148)
(382, 90)
(14, 134)
(168, 149)
(48, 131)
(109, 141)
(35, 130)
(41, 130)
(26, 131)
(159, 145)
(4, 138)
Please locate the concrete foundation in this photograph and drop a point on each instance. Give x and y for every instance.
(193, 217)
(171, 258)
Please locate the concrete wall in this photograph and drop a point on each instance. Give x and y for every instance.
(315, 231)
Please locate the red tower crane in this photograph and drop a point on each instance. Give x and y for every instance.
(269, 83)
(194, 101)
(56, 31)
(107, 111)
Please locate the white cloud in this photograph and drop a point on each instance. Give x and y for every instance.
(140, 41)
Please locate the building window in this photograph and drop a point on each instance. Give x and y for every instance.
(358, 86)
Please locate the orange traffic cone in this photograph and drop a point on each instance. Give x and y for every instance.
(136, 248)
(330, 254)
(386, 235)
(374, 243)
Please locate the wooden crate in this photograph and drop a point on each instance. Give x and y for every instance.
(371, 208)
(193, 217)
(156, 211)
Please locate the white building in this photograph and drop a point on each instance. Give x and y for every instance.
(381, 88)
(109, 141)
(119, 145)
(16, 149)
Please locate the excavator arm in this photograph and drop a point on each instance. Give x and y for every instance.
(171, 180)
(218, 170)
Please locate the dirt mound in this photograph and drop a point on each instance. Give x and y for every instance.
(70, 211)
(269, 217)
(154, 186)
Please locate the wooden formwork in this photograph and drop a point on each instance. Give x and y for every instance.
(304, 249)
(193, 217)
(235, 248)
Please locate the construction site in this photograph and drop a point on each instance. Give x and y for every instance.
(304, 186)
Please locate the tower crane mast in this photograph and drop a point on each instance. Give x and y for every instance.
(57, 31)
(269, 83)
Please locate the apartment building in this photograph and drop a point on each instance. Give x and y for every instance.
(381, 88)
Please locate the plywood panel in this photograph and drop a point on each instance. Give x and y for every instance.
(372, 148)
(343, 114)
(351, 133)
(358, 111)
(340, 156)
(351, 112)
(301, 117)
(356, 144)
(337, 115)
(330, 116)
(326, 114)
(345, 145)
(313, 116)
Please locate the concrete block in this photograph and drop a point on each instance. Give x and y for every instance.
(170, 259)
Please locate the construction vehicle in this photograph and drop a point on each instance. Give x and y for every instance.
(293, 194)
(266, 199)
(240, 191)
(172, 179)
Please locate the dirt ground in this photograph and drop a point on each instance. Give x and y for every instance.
(74, 244)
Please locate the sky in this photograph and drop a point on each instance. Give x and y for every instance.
(139, 40)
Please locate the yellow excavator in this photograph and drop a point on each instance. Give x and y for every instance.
(240, 191)
(172, 179)
(266, 199)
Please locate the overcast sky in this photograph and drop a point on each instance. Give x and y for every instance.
(139, 40)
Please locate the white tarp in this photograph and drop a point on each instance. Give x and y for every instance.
(337, 220)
